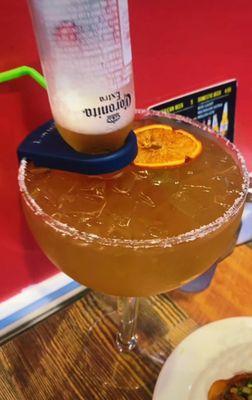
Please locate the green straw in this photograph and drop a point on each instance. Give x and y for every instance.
(21, 71)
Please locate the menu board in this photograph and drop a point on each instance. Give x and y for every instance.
(213, 106)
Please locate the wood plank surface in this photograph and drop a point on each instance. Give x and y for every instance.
(230, 293)
(51, 361)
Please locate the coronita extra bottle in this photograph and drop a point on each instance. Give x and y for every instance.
(85, 51)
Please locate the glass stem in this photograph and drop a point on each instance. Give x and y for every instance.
(126, 338)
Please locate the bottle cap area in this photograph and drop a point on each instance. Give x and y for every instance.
(46, 148)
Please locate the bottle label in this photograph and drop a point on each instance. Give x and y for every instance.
(110, 110)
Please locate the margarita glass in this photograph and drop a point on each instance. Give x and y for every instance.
(139, 232)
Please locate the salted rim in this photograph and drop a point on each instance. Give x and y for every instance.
(204, 230)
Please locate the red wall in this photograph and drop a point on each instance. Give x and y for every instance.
(177, 47)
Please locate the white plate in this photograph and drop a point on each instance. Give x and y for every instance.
(218, 350)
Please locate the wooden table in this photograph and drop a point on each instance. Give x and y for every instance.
(49, 360)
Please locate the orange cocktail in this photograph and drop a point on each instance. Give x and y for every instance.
(140, 231)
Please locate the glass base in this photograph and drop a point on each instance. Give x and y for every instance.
(118, 372)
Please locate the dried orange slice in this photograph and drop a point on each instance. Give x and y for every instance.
(161, 146)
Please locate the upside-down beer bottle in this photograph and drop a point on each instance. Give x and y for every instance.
(215, 125)
(85, 51)
(224, 120)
